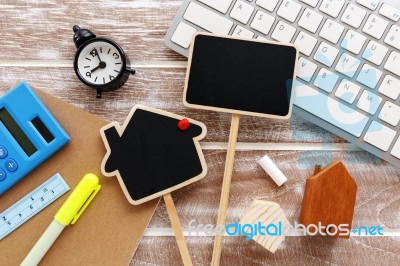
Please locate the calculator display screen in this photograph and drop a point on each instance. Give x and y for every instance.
(14, 129)
(42, 129)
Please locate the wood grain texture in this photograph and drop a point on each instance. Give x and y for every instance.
(294, 251)
(329, 199)
(162, 89)
(376, 180)
(43, 29)
(266, 213)
(37, 42)
(378, 202)
(180, 239)
(226, 186)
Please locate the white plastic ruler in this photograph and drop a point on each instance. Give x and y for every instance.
(31, 204)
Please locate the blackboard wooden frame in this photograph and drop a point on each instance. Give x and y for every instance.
(233, 110)
(121, 129)
(215, 102)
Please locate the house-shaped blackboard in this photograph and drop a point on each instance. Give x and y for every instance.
(150, 155)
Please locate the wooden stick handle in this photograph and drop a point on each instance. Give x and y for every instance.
(226, 186)
(180, 239)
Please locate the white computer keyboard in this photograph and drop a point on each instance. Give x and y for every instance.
(349, 66)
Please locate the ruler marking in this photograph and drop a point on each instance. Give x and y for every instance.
(31, 204)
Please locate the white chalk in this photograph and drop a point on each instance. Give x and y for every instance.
(272, 170)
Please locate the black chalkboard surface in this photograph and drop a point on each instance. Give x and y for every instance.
(239, 76)
(151, 156)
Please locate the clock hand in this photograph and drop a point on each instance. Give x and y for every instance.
(95, 53)
(98, 56)
(101, 65)
(94, 69)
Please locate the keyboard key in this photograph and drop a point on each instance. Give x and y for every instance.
(3, 152)
(379, 136)
(310, 20)
(3, 175)
(393, 37)
(390, 12)
(305, 69)
(329, 109)
(242, 12)
(396, 149)
(353, 41)
(183, 35)
(289, 10)
(371, 4)
(332, 7)
(353, 16)
(326, 54)
(208, 20)
(390, 113)
(283, 32)
(220, 5)
(347, 91)
(267, 4)
(390, 87)
(242, 32)
(369, 102)
(312, 3)
(11, 165)
(393, 63)
(262, 22)
(331, 31)
(375, 26)
(347, 65)
(375, 52)
(305, 43)
(369, 76)
(326, 80)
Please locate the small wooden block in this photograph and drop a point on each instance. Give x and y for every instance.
(329, 198)
(268, 214)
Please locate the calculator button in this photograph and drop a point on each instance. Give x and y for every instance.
(3, 152)
(11, 165)
(2, 175)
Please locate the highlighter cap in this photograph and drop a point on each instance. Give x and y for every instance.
(78, 201)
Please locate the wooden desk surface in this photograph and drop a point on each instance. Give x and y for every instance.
(36, 45)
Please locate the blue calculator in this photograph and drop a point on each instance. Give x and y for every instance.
(29, 134)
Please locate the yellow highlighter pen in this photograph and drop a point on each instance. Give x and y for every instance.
(69, 213)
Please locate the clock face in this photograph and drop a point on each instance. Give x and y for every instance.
(100, 62)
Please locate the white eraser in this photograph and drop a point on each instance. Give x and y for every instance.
(272, 170)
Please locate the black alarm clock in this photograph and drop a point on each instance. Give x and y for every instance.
(100, 63)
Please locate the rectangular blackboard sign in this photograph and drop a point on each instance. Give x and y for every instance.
(248, 77)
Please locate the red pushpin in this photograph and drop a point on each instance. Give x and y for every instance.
(183, 124)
